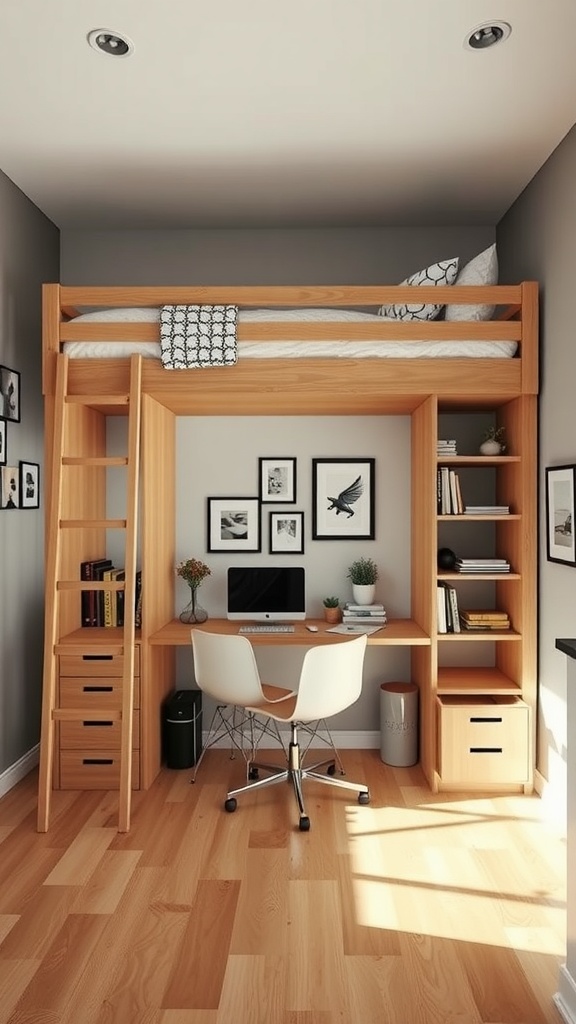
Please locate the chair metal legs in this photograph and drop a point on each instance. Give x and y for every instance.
(295, 773)
(244, 730)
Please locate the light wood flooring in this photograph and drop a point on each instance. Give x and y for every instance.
(417, 909)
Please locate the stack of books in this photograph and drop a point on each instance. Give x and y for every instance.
(482, 565)
(484, 619)
(487, 510)
(448, 494)
(106, 607)
(448, 617)
(446, 447)
(367, 614)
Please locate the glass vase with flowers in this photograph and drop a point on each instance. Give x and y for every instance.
(193, 571)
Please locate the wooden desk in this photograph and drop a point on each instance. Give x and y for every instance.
(397, 633)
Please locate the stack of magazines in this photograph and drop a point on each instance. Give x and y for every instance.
(367, 614)
(480, 565)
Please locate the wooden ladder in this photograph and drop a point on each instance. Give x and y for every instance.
(56, 586)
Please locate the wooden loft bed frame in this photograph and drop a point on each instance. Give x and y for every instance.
(304, 386)
(81, 392)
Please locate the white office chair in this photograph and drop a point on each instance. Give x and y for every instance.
(330, 681)
(226, 670)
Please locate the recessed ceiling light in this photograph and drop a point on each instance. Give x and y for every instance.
(111, 43)
(488, 34)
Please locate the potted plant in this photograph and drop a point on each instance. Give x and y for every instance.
(332, 611)
(363, 573)
(493, 443)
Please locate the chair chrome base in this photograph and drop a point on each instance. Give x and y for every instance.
(295, 773)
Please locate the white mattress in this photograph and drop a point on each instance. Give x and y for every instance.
(289, 349)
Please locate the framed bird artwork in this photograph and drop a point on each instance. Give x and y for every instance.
(343, 499)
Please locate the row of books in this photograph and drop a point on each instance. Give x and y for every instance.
(369, 614)
(106, 607)
(448, 494)
(452, 620)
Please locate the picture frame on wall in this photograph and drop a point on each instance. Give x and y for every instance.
(29, 485)
(233, 524)
(560, 490)
(277, 480)
(9, 487)
(3, 443)
(343, 499)
(286, 535)
(9, 394)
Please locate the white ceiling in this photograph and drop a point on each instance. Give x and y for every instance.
(312, 113)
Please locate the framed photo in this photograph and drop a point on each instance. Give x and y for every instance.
(343, 499)
(560, 487)
(9, 487)
(286, 533)
(10, 394)
(234, 524)
(29, 485)
(277, 480)
(3, 440)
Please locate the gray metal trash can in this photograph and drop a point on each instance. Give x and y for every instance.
(399, 724)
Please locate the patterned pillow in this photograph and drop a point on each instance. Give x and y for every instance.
(438, 273)
(483, 269)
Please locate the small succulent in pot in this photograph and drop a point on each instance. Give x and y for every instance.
(493, 443)
(332, 612)
(331, 602)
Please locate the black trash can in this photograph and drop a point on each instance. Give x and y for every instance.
(182, 728)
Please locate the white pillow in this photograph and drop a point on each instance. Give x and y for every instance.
(483, 269)
(437, 273)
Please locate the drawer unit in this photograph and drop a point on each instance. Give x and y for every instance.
(102, 734)
(89, 749)
(95, 769)
(483, 740)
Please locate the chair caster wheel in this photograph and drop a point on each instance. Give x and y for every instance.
(363, 798)
(230, 805)
(304, 824)
(331, 769)
(253, 773)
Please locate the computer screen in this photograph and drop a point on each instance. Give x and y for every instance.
(266, 593)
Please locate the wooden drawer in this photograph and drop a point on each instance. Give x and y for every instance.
(100, 665)
(483, 740)
(94, 692)
(98, 769)
(98, 735)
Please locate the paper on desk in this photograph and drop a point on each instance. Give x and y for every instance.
(355, 630)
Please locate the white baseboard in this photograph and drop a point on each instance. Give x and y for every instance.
(565, 997)
(19, 770)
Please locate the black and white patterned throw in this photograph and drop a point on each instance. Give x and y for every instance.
(198, 336)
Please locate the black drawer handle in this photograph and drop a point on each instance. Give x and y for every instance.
(485, 750)
(97, 657)
(97, 689)
(487, 718)
(97, 724)
(97, 760)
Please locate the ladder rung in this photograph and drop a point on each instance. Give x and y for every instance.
(85, 715)
(93, 524)
(95, 460)
(98, 399)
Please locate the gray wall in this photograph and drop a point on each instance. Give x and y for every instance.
(29, 255)
(537, 240)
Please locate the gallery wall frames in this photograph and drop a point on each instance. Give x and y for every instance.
(286, 533)
(560, 490)
(233, 524)
(343, 499)
(277, 480)
(10, 394)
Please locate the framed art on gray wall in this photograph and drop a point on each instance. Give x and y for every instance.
(233, 524)
(3, 432)
(560, 489)
(286, 533)
(343, 499)
(277, 480)
(10, 489)
(10, 394)
(29, 485)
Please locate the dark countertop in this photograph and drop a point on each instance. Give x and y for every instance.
(567, 647)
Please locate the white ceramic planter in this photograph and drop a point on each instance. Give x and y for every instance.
(363, 594)
(490, 448)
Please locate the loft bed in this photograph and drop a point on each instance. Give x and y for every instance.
(301, 350)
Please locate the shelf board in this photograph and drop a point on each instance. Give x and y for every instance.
(479, 576)
(476, 460)
(468, 635)
(478, 518)
(475, 680)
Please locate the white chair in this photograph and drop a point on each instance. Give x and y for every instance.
(226, 670)
(330, 681)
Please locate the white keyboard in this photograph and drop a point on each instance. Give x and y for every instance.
(269, 627)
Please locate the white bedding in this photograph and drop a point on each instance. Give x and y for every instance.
(289, 349)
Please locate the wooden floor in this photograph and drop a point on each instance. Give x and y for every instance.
(416, 909)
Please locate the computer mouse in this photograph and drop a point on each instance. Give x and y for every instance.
(312, 629)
